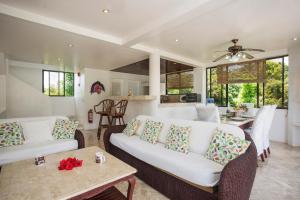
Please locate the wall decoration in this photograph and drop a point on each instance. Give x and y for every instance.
(97, 87)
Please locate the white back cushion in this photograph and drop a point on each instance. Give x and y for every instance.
(37, 131)
(201, 134)
(26, 119)
(208, 113)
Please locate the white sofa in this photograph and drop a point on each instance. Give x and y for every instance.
(35, 143)
(182, 176)
(193, 167)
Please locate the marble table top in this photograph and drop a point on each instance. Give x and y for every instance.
(25, 180)
(237, 123)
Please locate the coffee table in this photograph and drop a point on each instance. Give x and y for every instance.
(25, 180)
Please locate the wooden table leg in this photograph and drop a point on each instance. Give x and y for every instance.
(131, 184)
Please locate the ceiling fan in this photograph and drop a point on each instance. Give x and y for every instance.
(236, 52)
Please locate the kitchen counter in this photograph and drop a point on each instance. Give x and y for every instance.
(134, 98)
(178, 104)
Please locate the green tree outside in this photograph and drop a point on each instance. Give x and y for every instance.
(247, 92)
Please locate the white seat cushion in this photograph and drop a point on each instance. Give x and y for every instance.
(31, 150)
(192, 167)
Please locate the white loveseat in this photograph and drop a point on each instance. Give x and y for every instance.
(193, 169)
(36, 143)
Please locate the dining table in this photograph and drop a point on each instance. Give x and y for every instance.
(244, 122)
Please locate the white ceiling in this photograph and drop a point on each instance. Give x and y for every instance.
(26, 41)
(202, 27)
(265, 24)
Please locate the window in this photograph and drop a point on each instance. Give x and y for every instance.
(180, 82)
(56, 83)
(273, 90)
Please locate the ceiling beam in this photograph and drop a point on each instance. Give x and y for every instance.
(169, 56)
(134, 39)
(173, 19)
(54, 23)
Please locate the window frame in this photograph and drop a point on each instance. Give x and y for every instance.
(64, 94)
(178, 72)
(208, 92)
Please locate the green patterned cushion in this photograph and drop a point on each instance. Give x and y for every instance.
(151, 131)
(178, 138)
(131, 127)
(64, 129)
(10, 134)
(225, 147)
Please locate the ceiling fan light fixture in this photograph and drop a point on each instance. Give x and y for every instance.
(236, 52)
(234, 58)
(106, 11)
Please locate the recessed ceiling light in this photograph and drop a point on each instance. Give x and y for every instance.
(106, 11)
(70, 45)
(295, 38)
(176, 40)
(59, 59)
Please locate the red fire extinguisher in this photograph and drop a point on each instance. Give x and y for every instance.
(90, 116)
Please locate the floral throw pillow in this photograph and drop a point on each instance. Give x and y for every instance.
(178, 138)
(10, 134)
(131, 127)
(151, 131)
(64, 129)
(225, 147)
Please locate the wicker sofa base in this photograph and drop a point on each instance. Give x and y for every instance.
(166, 184)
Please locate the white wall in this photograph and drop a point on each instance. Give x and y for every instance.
(24, 100)
(25, 97)
(199, 82)
(2, 64)
(89, 100)
(3, 69)
(130, 77)
(91, 76)
(31, 76)
(279, 126)
(294, 96)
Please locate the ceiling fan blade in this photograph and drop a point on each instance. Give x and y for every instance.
(221, 57)
(248, 55)
(222, 51)
(250, 49)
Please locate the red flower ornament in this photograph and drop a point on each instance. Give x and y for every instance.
(69, 163)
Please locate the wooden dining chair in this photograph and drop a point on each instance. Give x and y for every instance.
(103, 109)
(118, 112)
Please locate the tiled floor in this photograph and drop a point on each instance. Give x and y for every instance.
(278, 178)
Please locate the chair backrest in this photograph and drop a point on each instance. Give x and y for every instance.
(257, 132)
(120, 107)
(209, 113)
(270, 117)
(104, 106)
